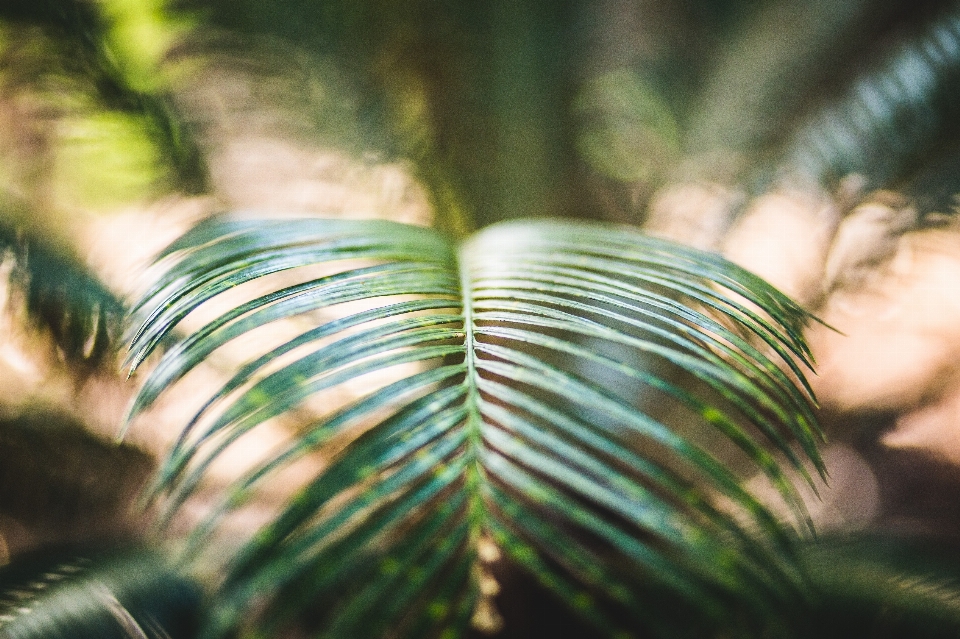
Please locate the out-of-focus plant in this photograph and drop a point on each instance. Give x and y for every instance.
(89, 124)
(577, 400)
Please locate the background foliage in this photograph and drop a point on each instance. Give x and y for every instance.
(547, 341)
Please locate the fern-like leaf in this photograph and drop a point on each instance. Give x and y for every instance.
(133, 595)
(571, 378)
(59, 294)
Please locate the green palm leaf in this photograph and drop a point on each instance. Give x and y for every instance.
(132, 594)
(59, 294)
(572, 384)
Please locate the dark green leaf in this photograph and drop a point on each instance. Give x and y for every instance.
(540, 350)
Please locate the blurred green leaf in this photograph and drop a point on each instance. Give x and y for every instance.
(121, 129)
(628, 132)
(60, 294)
(61, 595)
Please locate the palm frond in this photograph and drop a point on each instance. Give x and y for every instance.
(883, 586)
(572, 380)
(60, 295)
(889, 117)
(63, 595)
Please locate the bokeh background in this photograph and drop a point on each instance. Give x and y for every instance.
(816, 143)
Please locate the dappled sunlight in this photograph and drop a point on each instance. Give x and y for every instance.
(899, 332)
(784, 238)
(694, 214)
(272, 176)
(900, 344)
(850, 501)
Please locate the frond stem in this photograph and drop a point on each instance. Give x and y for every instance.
(474, 476)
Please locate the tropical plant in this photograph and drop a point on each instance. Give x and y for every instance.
(519, 430)
(575, 401)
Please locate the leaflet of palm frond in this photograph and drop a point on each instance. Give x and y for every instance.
(775, 63)
(78, 33)
(889, 116)
(768, 63)
(895, 587)
(498, 434)
(72, 595)
(62, 296)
